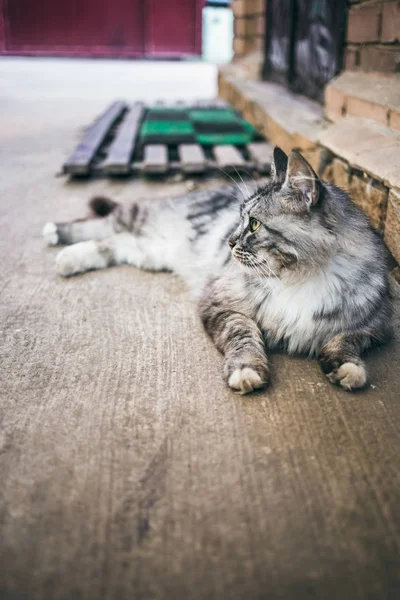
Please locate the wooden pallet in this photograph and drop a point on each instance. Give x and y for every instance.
(110, 147)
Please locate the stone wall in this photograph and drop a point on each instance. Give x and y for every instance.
(373, 36)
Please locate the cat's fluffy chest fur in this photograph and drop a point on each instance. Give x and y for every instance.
(301, 315)
(285, 311)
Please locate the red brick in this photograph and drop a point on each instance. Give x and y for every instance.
(351, 59)
(248, 110)
(391, 22)
(313, 157)
(239, 8)
(255, 7)
(252, 27)
(259, 44)
(240, 27)
(246, 27)
(243, 46)
(259, 6)
(335, 103)
(340, 173)
(392, 225)
(260, 25)
(372, 198)
(394, 119)
(358, 107)
(380, 59)
(363, 23)
(337, 172)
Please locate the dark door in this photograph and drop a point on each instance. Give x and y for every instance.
(278, 61)
(304, 43)
(100, 27)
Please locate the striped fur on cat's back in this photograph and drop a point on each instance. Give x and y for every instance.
(295, 265)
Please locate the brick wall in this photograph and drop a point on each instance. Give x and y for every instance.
(373, 36)
(372, 39)
(249, 26)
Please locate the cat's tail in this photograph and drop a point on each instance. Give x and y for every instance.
(83, 230)
(102, 206)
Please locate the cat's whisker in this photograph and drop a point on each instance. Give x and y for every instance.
(242, 180)
(233, 180)
(264, 264)
(256, 268)
(266, 275)
(232, 195)
(263, 277)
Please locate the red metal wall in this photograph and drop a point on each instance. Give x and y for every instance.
(174, 26)
(110, 28)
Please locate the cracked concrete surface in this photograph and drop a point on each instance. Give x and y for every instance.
(127, 469)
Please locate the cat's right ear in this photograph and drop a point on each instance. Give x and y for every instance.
(279, 165)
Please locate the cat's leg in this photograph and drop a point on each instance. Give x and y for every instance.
(239, 338)
(123, 248)
(340, 359)
(80, 230)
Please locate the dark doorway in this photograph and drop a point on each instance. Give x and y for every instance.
(304, 43)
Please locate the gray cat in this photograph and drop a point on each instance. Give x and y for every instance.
(295, 266)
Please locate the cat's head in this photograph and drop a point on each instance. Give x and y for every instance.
(284, 226)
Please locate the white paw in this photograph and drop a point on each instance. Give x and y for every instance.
(79, 258)
(50, 235)
(350, 376)
(245, 380)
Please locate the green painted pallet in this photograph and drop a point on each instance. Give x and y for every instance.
(195, 138)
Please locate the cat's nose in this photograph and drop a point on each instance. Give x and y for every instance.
(231, 244)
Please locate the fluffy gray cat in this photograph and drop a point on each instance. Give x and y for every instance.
(295, 266)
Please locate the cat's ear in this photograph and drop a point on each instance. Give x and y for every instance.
(301, 177)
(279, 165)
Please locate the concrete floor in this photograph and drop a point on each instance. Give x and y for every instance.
(127, 469)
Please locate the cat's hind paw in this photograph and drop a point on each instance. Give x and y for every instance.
(246, 380)
(50, 234)
(349, 376)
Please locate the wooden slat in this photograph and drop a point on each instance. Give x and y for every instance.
(121, 150)
(155, 159)
(228, 157)
(79, 161)
(262, 154)
(207, 103)
(220, 103)
(192, 158)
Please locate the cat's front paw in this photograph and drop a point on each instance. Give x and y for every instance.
(349, 376)
(50, 234)
(68, 262)
(79, 258)
(247, 380)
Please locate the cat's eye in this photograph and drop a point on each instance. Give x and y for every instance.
(254, 224)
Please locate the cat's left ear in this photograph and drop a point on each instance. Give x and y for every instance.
(301, 177)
